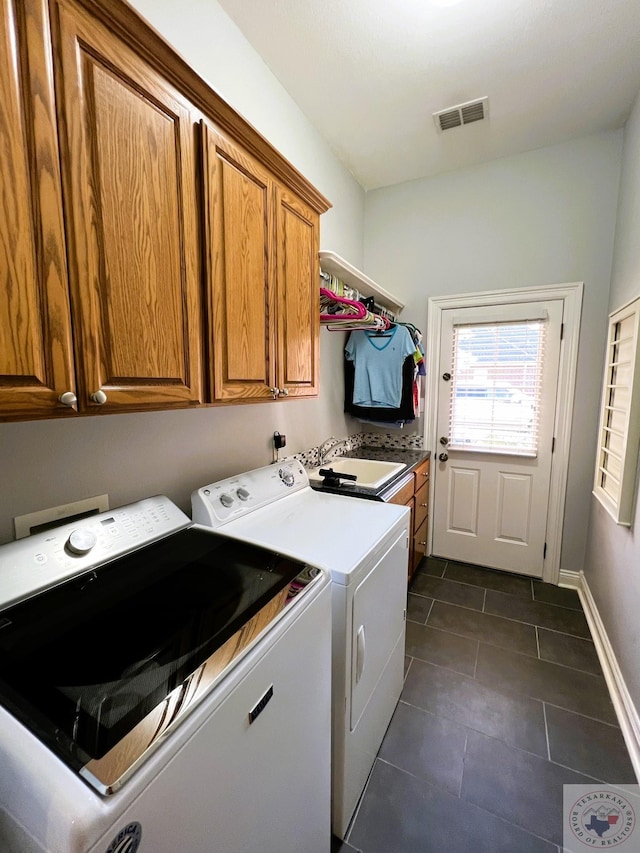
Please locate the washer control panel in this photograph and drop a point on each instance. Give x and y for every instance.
(42, 560)
(234, 497)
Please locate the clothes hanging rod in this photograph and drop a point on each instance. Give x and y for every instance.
(332, 263)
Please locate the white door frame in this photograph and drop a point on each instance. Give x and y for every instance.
(571, 294)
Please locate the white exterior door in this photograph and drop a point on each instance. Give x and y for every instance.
(496, 403)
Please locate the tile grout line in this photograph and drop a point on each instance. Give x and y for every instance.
(464, 755)
(433, 601)
(538, 642)
(411, 659)
(546, 729)
(475, 665)
(484, 602)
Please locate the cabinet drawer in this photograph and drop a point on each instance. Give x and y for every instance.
(421, 508)
(422, 474)
(404, 493)
(420, 542)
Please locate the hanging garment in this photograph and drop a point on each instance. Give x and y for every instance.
(381, 414)
(378, 361)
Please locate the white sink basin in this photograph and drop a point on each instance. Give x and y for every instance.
(371, 473)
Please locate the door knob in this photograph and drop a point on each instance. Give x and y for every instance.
(283, 392)
(443, 457)
(99, 397)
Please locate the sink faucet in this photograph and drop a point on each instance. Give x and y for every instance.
(328, 447)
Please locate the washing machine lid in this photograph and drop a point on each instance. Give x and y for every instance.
(332, 532)
(100, 666)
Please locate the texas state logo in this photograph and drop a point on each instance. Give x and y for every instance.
(602, 819)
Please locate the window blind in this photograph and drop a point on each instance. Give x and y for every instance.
(619, 431)
(496, 387)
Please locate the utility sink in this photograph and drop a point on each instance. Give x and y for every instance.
(371, 473)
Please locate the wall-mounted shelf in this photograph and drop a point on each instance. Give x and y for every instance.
(335, 265)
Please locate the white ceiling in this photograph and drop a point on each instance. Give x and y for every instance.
(370, 73)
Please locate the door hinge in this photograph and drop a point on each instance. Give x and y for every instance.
(553, 444)
(544, 553)
(561, 331)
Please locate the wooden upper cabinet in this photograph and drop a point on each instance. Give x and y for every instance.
(239, 241)
(298, 314)
(262, 272)
(36, 359)
(129, 173)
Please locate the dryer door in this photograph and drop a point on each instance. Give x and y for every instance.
(379, 603)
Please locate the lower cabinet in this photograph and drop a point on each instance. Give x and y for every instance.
(414, 493)
(420, 515)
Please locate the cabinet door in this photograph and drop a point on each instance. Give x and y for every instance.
(298, 321)
(36, 360)
(129, 174)
(239, 271)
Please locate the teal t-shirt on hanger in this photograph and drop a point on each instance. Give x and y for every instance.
(378, 360)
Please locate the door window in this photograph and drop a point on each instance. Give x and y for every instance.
(496, 387)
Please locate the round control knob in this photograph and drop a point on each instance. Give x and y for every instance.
(226, 500)
(81, 541)
(243, 494)
(287, 476)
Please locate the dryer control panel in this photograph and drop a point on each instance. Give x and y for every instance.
(236, 497)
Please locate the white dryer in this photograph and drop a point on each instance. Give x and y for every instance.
(364, 547)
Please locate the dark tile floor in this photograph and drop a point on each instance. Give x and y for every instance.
(504, 702)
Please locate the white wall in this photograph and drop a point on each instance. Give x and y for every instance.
(544, 217)
(45, 463)
(612, 565)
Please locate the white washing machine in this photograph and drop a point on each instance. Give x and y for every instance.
(162, 688)
(364, 546)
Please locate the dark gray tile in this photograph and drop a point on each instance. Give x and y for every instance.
(425, 745)
(589, 746)
(402, 814)
(441, 647)
(489, 579)
(549, 593)
(446, 590)
(567, 688)
(418, 607)
(517, 786)
(517, 720)
(483, 627)
(537, 613)
(570, 651)
(431, 566)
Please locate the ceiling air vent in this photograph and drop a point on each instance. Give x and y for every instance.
(467, 113)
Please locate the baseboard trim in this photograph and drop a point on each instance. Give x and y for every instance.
(570, 579)
(627, 713)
